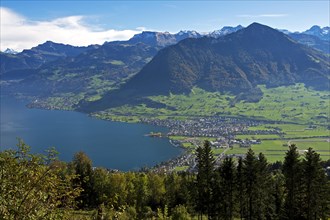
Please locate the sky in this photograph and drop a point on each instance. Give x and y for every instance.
(25, 24)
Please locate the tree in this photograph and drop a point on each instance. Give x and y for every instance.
(265, 199)
(101, 186)
(278, 193)
(157, 190)
(240, 188)
(314, 186)
(250, 180)
(292, 171)
(180, 213)
(256, 183)
(172, 188)
(141, 194)
(118, 190)
(225, 189)
(205, 169)
(82, 167)
(34, 186)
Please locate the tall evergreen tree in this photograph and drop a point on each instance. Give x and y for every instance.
(255, 181)
(225, 190)
(250, 167)
(240, 188)
(315, 186)
(205, 170)
(292, 172)
(278, 193)
(265, 199)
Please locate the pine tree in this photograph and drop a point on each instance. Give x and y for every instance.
(293, 184)
(205, 166)
(255, 181)
(226, 189)
(240, 188)
(278, 193)
(250, 167)
(265, 199)
(314, 182)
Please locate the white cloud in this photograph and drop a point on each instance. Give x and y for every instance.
(262, 16)
(18, 32)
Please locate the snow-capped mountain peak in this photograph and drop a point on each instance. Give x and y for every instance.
(10, 51)
(322, 33)
(224, 31)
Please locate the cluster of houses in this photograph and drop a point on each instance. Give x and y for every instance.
(185, 160)
(222, 130)
(210, 126)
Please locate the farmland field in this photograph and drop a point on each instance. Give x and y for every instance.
(299, 113)
(293, 104)
(275, 150)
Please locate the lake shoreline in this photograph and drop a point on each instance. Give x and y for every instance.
(151, 151)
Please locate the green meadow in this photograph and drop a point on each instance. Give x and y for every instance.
(275, 150)
(300, 113)
(286, 104)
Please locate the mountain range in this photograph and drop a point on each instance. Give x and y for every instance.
(233, 59)
(234, 63)
(322, 33)
(35, 57)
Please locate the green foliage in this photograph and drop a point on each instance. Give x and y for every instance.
(40, 187)
(82, 167)
(180, 213)
(34, 186)
(292, 171)
(205, 169)
(315, 188)
(224, 190)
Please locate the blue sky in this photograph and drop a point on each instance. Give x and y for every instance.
(99, 21)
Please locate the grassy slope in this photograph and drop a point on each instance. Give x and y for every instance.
(295, 105)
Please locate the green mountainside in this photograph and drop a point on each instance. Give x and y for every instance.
(290, 104)
(68, 77)
(235, 63)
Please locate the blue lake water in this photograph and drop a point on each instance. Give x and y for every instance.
(113, 145)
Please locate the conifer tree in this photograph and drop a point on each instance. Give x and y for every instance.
(278, 193)
(265, 199)
(250, 167)
(314, 186)
(292, 172)
(240, 188)
(226, 190)
(205, 169)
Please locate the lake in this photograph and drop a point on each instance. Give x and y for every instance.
(112, 145)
